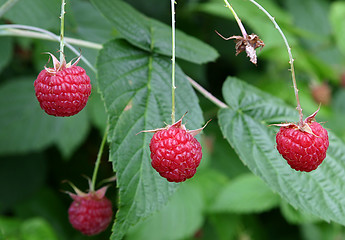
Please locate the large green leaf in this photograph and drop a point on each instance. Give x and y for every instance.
(151, 35)
(135, 86)
(25, 127)
(186, 206)
(245, 194)
(337, 16)
(245, 125)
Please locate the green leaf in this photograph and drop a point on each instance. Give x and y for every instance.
(296, 216)
(32, 12)
(25, 127)
(223, 226)
(322, 231)
(9, 227)
(135, 86)
(210, 182)
(223, 157)
(337, 16)
(151, 35)
(315, 22)
(245, 194)
(316, 30)
(30, 229)
(71, 132)
(179, 219)
(37, 229)
(245, 126)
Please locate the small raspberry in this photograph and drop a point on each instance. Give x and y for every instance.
(63, 90)
(175, 154)
(304, 149)
(90, 213)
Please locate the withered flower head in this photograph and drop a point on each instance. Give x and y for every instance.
(247, 43)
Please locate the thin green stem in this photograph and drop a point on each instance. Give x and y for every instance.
(62, 30)
(238, 20)
(39, 33)
(98, 160)
(173, 87)
(291, 60)
(8, 30)
(7, 6)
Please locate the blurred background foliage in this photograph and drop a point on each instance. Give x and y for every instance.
(38, 152)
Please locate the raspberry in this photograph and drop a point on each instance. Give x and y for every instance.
(63, 90)
(175, 154)
(303, 150)
(90, 213)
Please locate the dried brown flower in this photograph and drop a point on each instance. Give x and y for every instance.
(247, 43)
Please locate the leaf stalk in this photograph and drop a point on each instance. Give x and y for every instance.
(238, 20)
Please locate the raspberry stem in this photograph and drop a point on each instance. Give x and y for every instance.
(291, 60)
(238, 20)
(62, 29)
(173, 87)
(207, 94)
(39, 33)
(98, 160)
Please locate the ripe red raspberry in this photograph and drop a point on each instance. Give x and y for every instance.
(175, 153)
(90, 213)
(303, 150)
(63, 90)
